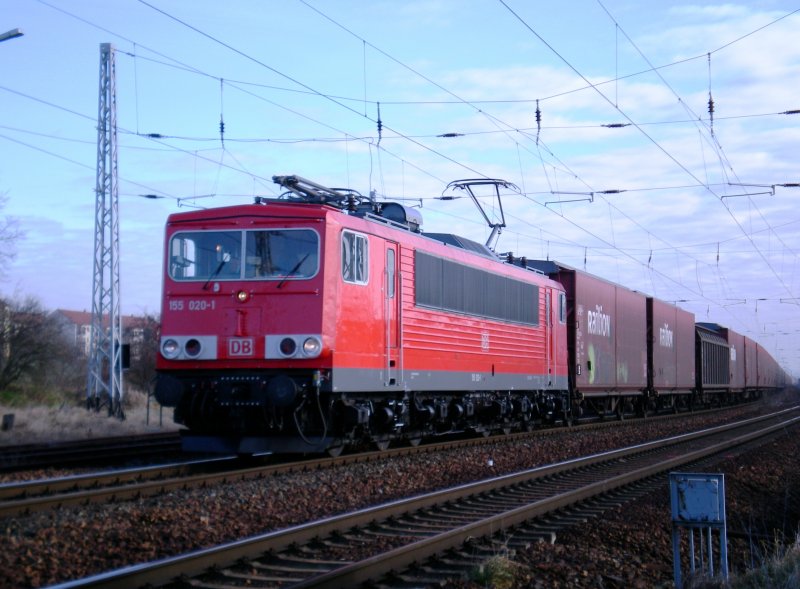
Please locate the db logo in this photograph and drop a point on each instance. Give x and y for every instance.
(240, 346)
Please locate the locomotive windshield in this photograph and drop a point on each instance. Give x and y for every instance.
(270, 254)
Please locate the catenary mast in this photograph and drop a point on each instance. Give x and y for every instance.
(105, 354)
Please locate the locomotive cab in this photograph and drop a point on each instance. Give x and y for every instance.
(242, 319)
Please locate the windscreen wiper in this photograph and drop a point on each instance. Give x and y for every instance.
(216, 272)
(293, 270)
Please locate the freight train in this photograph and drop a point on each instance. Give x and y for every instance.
(324, 319)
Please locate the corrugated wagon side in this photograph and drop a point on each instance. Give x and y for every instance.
(713, 362)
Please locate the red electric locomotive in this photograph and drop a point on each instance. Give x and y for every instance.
(324, 319)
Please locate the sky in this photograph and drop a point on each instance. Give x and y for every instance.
(597, 112)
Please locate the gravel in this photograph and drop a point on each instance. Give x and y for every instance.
(632, 546)
(50, 547)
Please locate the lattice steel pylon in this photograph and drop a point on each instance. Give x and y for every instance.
(105, 348)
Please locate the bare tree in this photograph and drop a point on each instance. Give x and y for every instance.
(143, 338)
(9, 234)
(30, 340)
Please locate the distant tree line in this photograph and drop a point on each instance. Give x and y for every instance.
(41, 360)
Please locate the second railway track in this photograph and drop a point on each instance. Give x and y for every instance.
(87, 452)
(368, 544)
(19, 498)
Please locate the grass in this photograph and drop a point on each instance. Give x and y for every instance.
(781, 570)
(499, 572)
(56, 419)
(25, 398)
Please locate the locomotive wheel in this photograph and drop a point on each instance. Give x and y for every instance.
(382, 443)
(199, 411)
(335, 451)
(415, 441)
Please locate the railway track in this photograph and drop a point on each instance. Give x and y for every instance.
(442, 534)
(20, 498)
(119, 485)
(87, 452)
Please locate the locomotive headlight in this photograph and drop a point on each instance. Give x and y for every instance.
(287, 347)
(312, 346)
(193, 348)
(170, 348)
(242, 296)
(302, 346)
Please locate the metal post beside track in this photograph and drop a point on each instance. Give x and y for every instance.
(698, 506)
(104, 383)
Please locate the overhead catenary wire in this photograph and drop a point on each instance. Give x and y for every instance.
(755, 247)
(382, 146)
(651, 139)
(715, 141)
(81, 164)
(189, 68)
(196, 70)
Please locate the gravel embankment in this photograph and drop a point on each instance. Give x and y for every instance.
(51, 547)
(631, 546)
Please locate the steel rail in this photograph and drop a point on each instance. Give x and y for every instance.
(196, 563)
(13, 458)
(382, 564)
(19, 498)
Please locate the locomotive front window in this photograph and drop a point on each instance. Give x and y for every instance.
(275, 254)
(281, 253)
(205, 255)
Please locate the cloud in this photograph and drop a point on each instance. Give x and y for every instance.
(668, 231)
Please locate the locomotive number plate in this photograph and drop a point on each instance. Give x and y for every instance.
(240, 346)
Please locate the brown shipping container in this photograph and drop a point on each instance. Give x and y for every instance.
(607, 334)
(750, 363)
(736, 342)
(670, 347)
(767, 369)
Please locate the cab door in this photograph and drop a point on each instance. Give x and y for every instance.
(548, 333)
(391, 296)
(555, 335)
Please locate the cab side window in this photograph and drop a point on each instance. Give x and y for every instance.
(355, 258)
